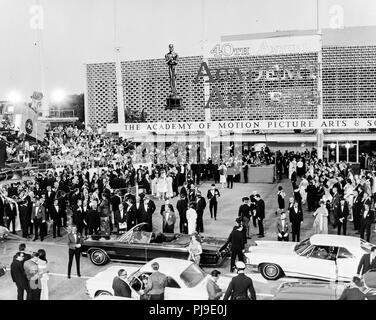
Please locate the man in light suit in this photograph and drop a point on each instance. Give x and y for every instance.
(156, 285)
(367, 262)
(282, 228)
(75, 241)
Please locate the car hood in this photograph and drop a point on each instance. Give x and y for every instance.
(273, 246)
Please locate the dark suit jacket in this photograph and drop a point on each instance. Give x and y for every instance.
(10, 212)
(240, 286)
(54, 214)
(118, 218)
(295, 217)
(200, 206)
(244, 211)
(344, 213)
(260, 209)
(237, 239)
(39, 210)
(121, 289)
(92, 218)
(18, 275)
(131, 215)
(212, 198)
(365, 264)
(369, 218)
(49, 199)
(352, 294)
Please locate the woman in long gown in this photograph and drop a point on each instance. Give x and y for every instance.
(191, 218)
(170, 192)
(222, 174)
(320, 225)
(43, 274)
(162, 186)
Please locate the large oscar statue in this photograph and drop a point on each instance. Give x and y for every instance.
(173, 100)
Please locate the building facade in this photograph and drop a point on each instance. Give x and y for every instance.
(271, 80)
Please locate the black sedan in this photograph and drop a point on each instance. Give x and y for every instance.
(139, 246)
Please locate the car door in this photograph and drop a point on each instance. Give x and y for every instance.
(346, 264)
(317, 262)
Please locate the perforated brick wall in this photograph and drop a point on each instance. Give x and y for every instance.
(349, 82)
(258, 104)
(146, 85)
(349, 87)
(101, 89)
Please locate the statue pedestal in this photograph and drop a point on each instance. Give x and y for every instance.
(174, 102)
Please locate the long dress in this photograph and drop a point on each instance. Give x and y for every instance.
(191, 218)
(154, 186)
(42, 269)
(162, 185)
(303, 185)
(222, 177)
(170, 192)
(320, 225)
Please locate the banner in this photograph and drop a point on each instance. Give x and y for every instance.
(263, 47)
(241, 126)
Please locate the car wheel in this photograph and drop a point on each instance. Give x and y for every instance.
(98, 257)
(102, 293)
(271, 271)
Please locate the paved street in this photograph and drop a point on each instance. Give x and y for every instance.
(74, 289)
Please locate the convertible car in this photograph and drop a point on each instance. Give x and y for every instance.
(139, 246)
(185, 280)
(322, 256)
(321, 290)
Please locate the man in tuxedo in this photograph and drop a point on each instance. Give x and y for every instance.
(56, 215)
(200, 208)
(366, 220)
(164, 212)
(75, 241)
(23, 212)
(357, 209)
(120, 286)
(11, 213)
(342, 214)
(120, 218)
(115, 201)
(192, 193)
(131, 212)
(182, 207)
(335, 203)
(49, 196)
(18, 275)
(184, 189)
(282, 228)
(213, 195)
(296, 218)
(78, 216)
(367, 262)
(147, 210)
(260, 214)
(244, 215)
(252, 208)
(38, 218)
(238, 241)
(92, 218)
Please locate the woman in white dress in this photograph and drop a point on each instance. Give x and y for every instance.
(349, 197)
(162, 186)
(320, 225)
(154, 184)
(170, 192)
(222, 174)
(292, 167)
(303, 186)
(43, 274)
(191, 218)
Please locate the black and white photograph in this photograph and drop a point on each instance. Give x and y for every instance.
(203, 151)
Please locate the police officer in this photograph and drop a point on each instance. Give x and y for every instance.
(241, 286)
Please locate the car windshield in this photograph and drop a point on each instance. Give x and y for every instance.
(366, 246)
(192, 275)
(302, 246)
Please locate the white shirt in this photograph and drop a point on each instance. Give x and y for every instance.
(365, 214)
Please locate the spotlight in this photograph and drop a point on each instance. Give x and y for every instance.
(58, 95)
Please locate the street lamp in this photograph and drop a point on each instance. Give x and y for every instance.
(14, 96)
(347, 145)
(332, 145)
